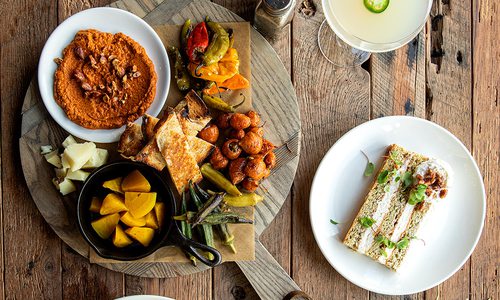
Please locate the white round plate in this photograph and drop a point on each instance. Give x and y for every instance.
(450, 232)
(144, 297)
(104, 19)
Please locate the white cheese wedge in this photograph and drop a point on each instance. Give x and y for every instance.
(66, 186)
(99, 158)
(64, 162)
(70, 140)
(78, 154)
(78, 175)
(54, 159)
(45, 149)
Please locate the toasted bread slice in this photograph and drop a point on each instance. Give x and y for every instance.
(131, 140)
(174, 147)
(200, 148)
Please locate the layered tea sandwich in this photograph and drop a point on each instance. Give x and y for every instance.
(406, 187)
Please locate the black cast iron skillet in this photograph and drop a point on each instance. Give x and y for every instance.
(168, 235)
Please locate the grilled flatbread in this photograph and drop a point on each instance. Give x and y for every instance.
(131, 141)
(174, 147)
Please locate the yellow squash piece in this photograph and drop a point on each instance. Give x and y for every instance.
(139, 204)
(105, 226)
(143, 235)
(135, 182)
(95, 205)
(120, 239)
(129, 220)
(111, 204)
(160, 213)
(151, 220)
(114, 184)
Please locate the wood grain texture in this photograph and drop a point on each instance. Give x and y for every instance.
(398, 80)
(332, 101)
(31, 251)
(448, 98)
(485, 261)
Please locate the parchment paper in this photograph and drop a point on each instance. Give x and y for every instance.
(244, 233)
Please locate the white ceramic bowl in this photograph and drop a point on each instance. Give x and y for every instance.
(107, 20)
(451, 230)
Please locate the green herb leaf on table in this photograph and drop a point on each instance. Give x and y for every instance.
(334, 222)
(407, 180)
(366, 222)
(417, 195)
(370, 167)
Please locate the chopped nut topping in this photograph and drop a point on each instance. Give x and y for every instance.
(120, 71)
(136, 74)
(86, 86)
(111, 57)
(79, 52)
(79, 75)
(93, 62)
(103, 59)
(58, 60)
(443, 193)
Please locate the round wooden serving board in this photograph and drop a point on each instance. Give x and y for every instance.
(273, 96)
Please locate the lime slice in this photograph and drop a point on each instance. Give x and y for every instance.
(376, 6)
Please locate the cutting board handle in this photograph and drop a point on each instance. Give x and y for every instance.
(268, 278)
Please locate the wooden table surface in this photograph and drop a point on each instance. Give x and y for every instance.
(447, 75)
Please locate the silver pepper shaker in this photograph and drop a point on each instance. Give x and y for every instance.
(272, 15)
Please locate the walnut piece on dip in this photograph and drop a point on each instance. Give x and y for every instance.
(104, 80)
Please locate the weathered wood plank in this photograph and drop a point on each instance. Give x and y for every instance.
(194, 286)
(82, 280)
(398, 80)
(332, 101)
(486, 144)
(448, 99)
(31, 252)
(141, 286)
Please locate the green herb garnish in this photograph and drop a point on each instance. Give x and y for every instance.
(370, 167)
(393, 156)
(382, 177)
(403, 243)
(385, 241)
(366, 222)
(333, 222)
(382, 251)
(417, 195)
(407, 180)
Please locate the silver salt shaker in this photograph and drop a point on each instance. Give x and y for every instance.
(272, 15)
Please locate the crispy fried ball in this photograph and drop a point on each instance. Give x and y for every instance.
(249, 184)
(218, 160)
(239, 121)
(251, 143)
(254, 118)
(237, 134)
(270, 160)
(236, 168)
(209, 133)
(223, 121)
(231, 149)
(255, 168)
(267, 147)
(258, 130)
